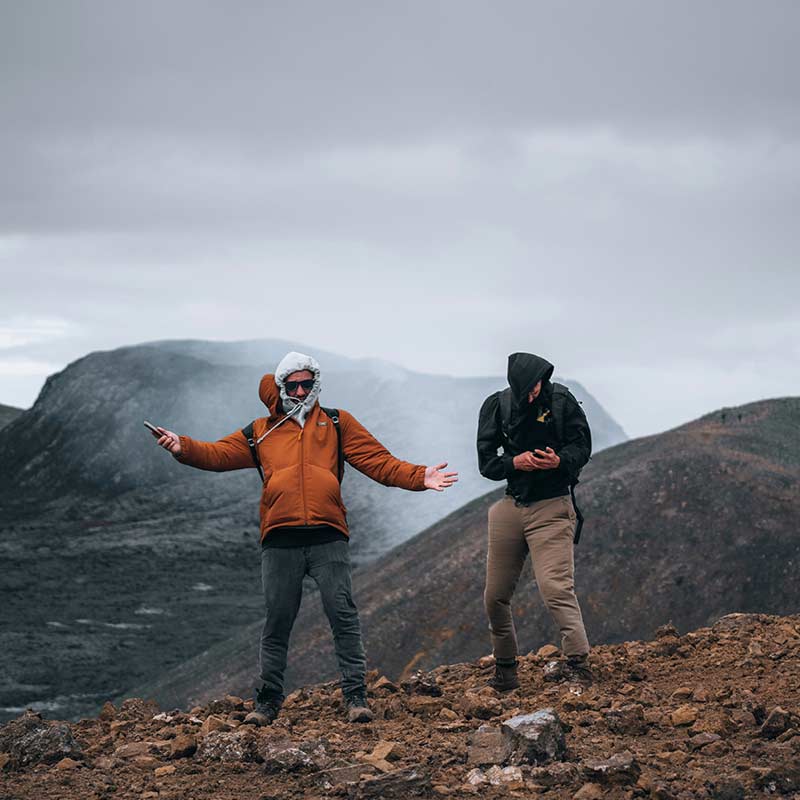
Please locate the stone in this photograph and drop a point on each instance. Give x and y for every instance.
(342, 775)
(702, 740)
(213, 723)
(548, 652)
(68, 763)
(30, 740)
(701, 695)
(778, 720)
(559, 773)
(535, 738)
(163, 772)
(287, 756)
(385, 750)
(629, 720)
(512, 776)
(683, 715)
(183, 746)
(716, 749)
(448, 714)
(622, 768)
(132, 750)
(480, 706)
(726, 789)
(145, 762)
(107, 712)
(487, 745)
(240, 745)
(668, 630)
(682, 693)
(589, 791)
(397, 785)
(384, 686)
(122, 726)
(476, 777)
(420, 683)
(555, 671)
(135, 708)
(424, 705)
(5, 758)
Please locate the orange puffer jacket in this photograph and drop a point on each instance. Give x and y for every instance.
(301, 486)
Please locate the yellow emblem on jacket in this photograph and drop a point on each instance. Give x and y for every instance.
(543, 416)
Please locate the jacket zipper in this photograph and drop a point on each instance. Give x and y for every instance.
(303, 477)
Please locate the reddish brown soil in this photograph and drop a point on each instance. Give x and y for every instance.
(653, 699)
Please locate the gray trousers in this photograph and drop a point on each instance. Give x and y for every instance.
(282, 573)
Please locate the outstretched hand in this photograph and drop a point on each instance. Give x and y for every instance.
(438, 480)
(168, 440)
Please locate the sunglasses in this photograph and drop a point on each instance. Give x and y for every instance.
(291, 386)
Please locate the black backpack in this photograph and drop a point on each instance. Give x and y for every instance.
(332, 413)
(557, 407)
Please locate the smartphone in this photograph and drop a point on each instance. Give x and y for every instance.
(151, 427)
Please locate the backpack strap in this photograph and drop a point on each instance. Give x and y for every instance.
(333, 414)
(558, 406)
(504, 412)
(247, 431)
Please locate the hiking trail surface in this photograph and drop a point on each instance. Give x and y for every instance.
(714, 713)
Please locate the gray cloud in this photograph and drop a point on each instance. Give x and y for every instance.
(612, 184)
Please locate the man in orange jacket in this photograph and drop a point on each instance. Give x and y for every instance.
(303, 523)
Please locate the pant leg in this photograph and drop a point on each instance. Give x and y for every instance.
(506, 555)
(549, 528)
(282, 571)
(329, 566)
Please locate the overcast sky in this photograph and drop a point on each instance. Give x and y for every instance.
(614, 185)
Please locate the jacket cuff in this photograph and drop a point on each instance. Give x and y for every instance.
(418, 481)
(186, 447)
(508, 466)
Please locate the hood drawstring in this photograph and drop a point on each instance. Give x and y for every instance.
(277, 425)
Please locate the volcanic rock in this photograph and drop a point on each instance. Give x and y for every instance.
(535, 738)
(220, 745)
(621, 768)
(31, 740)
(488, 745)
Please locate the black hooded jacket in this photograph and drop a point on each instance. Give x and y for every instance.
(532, 426)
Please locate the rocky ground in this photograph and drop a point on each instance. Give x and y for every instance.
(711, 714)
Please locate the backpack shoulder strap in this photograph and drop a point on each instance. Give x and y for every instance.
(333, 414)
(558, 406)
(247, 431)
(504, 411)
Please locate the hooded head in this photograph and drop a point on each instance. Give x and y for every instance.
(273, 387)
(525, 370)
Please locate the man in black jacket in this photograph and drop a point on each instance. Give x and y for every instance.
(535, 436)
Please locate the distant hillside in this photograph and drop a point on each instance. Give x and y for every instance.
(8, 414)
(119, 564)
(686, 525)
(83, 451)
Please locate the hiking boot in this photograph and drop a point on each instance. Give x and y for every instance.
(357, 708)
(505, 677)
(579, 670)
(266, 709)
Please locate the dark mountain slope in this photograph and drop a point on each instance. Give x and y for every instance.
(686, 525)
(8, 414)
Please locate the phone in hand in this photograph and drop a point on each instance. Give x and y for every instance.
(152, 428)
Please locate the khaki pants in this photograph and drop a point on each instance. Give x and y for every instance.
(544, 529)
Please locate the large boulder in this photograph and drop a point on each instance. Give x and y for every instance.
(29, 740)
(535, 738)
